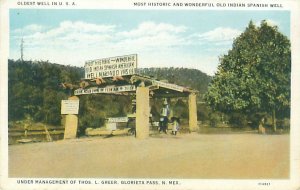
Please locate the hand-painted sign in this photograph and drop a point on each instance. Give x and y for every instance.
(105, 90)
(110, 67)
(117, 119)
(168, 85)
(69, 106)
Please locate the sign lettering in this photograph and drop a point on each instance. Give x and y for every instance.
(117, 119)
(168, 85)
(109, 67)
(105, 90)
(69, 106)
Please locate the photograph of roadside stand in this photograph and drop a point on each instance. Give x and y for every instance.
(177, 94)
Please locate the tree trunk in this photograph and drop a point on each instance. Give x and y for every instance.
(274, 120)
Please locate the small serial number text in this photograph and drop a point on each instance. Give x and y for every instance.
(264, 183)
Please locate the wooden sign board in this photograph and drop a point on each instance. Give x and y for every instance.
(69, 106)
(110, 67)
(168, 85)
(117, 119)
(105, 90)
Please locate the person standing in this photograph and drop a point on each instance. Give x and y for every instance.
(160, 127)
(165, 124)
(176, 124)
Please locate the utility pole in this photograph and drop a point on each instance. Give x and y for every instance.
(22, 48)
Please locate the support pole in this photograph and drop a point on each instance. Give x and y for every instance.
(142, 112)
(193, 113)
(71, 124)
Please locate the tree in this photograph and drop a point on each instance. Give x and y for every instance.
(254, 76)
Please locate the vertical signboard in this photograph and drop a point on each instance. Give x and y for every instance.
(69, 106)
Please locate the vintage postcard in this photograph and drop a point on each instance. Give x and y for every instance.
(148, 94)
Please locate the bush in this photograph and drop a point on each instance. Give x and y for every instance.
(214, 119)
(238, 120)
(203, 112)
(255, 119)
(283, 124)
(90, 120)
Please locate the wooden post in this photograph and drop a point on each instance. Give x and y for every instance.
(193, 126)
(142, 112)
(71, 124)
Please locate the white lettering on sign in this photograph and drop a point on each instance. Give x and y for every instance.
(69, 106)
(117, 119)
(168, 85)
(105, 90)
(109, 67)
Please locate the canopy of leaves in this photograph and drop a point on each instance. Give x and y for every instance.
(254, 76)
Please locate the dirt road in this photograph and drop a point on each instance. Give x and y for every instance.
(195, 156)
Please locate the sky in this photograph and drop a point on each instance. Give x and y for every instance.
(161, 38)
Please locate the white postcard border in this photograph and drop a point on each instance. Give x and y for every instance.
(292, 183)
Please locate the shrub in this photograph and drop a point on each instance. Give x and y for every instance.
(238, 120)
(214, 119)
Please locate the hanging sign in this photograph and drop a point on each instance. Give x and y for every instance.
(105, 90)
(168, 85)
(110, 67)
